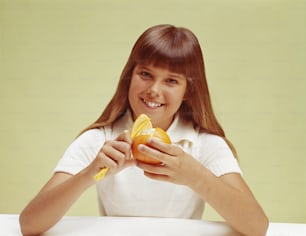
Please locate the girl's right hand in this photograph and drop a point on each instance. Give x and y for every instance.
(114, 154)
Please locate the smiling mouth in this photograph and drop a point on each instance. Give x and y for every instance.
(151, 104)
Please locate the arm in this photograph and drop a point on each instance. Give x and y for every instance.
(231, 197)
(52, 202)
(229, 194)
(63, 189)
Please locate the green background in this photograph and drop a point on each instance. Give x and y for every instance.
(61, 60)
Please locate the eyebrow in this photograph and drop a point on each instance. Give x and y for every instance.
(171, 74)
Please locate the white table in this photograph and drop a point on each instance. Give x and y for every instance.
(140, 226)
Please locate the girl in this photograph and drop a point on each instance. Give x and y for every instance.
(164, 78)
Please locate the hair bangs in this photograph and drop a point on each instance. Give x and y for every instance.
(174, 55)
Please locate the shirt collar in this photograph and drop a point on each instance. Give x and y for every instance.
(182, 130)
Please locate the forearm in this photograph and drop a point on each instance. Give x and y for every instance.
(236, 205)
(51, 204)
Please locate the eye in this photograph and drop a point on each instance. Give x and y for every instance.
(171, 81)
(145, 74)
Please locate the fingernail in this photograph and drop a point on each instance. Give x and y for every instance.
(140, 147)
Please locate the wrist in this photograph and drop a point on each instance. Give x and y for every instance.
(86, 178)
(203, 181)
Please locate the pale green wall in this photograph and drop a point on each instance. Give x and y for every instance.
(60, 61)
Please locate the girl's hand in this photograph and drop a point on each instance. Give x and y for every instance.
(177, 166)
(115, 155)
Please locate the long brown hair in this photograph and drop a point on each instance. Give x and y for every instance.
(177, 49)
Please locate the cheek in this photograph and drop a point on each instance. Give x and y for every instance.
(176, 96)
(136, 85)
(176, 99)
(134, 90)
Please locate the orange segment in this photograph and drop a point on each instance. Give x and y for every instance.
(142, 122)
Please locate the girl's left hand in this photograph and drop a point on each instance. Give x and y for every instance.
(177, 166)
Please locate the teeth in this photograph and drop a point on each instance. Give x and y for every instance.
(152, 104)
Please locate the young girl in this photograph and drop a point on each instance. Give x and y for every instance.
(164, 78)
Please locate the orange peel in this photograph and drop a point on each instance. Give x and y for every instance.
(143, 122)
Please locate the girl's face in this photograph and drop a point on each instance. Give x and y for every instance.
(156, 92)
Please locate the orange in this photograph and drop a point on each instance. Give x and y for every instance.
(142, 138)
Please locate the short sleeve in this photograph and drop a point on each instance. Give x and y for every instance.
(81, 152)
(215, 154)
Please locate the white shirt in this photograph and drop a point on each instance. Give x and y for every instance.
(129, 192)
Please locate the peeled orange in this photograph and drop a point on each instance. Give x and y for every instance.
(140, 132)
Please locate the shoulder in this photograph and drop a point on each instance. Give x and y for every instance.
(213, 145)
(92, 135)
(81, 151)
(86, 146)
(89, 140)
(211, 139)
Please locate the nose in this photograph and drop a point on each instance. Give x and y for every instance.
(154, 89)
